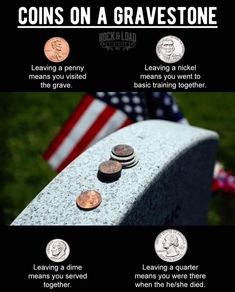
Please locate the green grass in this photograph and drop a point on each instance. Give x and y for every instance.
(29, 121)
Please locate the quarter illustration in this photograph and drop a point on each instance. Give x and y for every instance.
(56, 49)
(170, 245)
(170, 49)
(57, 250)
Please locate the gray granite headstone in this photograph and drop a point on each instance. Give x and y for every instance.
(169, 186)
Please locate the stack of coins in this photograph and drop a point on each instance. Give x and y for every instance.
(109, 171)
(124, 154)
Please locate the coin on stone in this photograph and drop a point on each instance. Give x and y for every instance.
(170, 49)
(109, 171)
(89, 200)
(122, 150)
(56, 49)
(110, 167)
(128, 164)
(121, 159)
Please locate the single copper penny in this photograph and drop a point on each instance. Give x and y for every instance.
(56, 49)
(122, 150)
(89, 200)
(110, 167)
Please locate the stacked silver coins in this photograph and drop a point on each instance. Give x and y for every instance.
(124, 154)
(109, 171)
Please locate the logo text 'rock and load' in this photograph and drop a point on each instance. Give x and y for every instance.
(117, 41)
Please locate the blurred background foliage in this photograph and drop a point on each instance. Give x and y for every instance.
(29, 121)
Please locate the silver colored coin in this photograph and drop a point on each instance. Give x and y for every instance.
(132, 164)
(120, 158)
(126, 163)
(57, 250)
(129, 164)
(170, 49)
(170, 245)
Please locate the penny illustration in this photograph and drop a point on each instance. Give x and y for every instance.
(57, 250)
(170, 49)
(170, 245)
(89, 200)
(122, 150)
(56, 49)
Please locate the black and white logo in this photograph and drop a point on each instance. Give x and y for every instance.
(170, 49)
(117, 40)
(57, 250)
(170, 245)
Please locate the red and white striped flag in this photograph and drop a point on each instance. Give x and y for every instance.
(101, 113)
(92, 120)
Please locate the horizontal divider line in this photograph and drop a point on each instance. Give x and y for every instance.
(116, 27)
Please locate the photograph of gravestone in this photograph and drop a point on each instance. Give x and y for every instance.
(117, 158)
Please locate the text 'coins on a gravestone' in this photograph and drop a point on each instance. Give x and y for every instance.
(89, 200)
(124, 154)
(109, 171)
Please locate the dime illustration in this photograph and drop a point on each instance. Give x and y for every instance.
(170, 245)
(170, 49)
(56, 49)
(89, 200)
(57, 250)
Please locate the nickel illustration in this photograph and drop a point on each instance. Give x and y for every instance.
(170, 49)
(170, 245)
(56, 49)
(57, 250)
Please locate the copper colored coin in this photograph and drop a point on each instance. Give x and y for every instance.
(110, 167)
(89, 200)
(122, 150)
(56, 49)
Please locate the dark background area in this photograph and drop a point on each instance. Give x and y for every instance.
(112, 255)
(31, 119)
(113, 70)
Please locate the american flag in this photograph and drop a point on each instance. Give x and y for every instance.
(101, 113)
